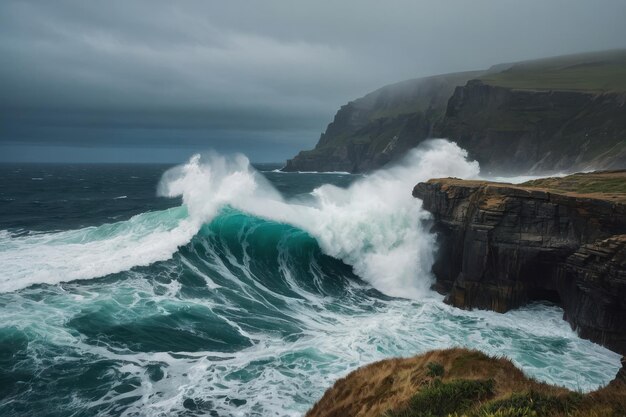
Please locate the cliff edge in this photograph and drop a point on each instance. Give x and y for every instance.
(564, 113)
(460, 382)
(381, 126)
(557, 239)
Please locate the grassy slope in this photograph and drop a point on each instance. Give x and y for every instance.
(600, 71)
(607, 185)
(603, 185)
(455, 383)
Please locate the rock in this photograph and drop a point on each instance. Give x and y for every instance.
(593, 285)
(502, 246)
(528, 117)
(524, 131)
(382, 126)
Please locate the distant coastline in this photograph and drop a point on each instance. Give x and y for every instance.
(563, 114)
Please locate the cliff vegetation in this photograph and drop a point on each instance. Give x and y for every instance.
(459, 382)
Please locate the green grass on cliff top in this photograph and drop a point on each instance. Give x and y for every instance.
(598, 72)
(608, 182)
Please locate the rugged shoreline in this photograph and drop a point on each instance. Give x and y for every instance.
(503, 245)
(537, 116)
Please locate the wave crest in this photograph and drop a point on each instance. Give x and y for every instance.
(374, 225)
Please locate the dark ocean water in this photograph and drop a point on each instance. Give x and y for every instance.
(247, 296)
(60, 197)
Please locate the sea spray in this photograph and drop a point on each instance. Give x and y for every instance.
(93, 251)
(375, 224)
(248, 318)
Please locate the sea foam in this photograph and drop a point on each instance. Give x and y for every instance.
(375, 224)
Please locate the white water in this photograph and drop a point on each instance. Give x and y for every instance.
(284, 377)
(374, 225)
(92, 252)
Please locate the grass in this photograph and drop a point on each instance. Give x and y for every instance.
(532, 403)
(604, 71)
(441, 399)
(435, 369)
(609, 183)
(471, 398)
(459, 383)
(602, 185)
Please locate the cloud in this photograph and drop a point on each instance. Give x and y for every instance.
(258, 70)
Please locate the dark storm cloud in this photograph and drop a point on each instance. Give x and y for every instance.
(254, 74)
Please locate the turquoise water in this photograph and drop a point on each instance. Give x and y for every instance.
(237, 314)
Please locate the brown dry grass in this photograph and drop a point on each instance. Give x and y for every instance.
(601, 185)
(390, 384)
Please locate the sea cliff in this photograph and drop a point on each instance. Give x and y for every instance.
(557, 114)
(382, 126)
(561, 240)
(513, 131)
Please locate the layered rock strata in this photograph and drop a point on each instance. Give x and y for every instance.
(501, 246)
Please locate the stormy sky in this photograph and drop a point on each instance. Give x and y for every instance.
(158, 80)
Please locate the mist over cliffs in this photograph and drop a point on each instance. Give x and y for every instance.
(557, 114)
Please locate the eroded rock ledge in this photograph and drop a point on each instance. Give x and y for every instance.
(562, 240)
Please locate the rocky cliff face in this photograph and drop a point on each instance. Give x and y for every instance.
(501, 246)
(521, 131)
(382, 126)
(559, 114)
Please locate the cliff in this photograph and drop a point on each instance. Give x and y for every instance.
(560, 239)
(525, 131)
(563, 113)
(458, 382)
(381, 126)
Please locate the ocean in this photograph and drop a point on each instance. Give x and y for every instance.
(217, 288)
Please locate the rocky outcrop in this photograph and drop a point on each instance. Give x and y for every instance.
(535, 116)
(381, 126)
(521, 131)
(502, 246)
(593, 290)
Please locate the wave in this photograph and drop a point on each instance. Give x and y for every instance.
(51, 258)
(248, 315)
(374, 225)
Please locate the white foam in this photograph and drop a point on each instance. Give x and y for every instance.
(92, 252)
(373, 225)
(285, 376)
